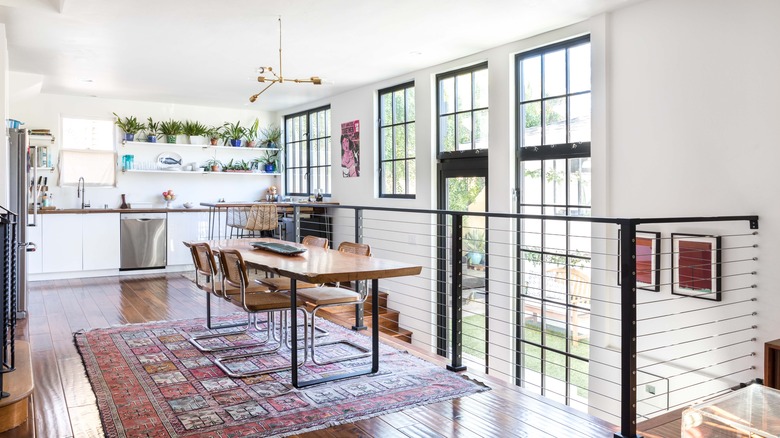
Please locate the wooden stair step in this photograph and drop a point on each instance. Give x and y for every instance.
(350, 309)
(402, 335)
(387, 325)
(19, 384)
(387, 319)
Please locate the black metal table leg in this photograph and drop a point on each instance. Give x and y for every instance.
(294, 334)
(374, 343)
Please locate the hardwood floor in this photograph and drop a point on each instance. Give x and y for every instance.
(64, 404)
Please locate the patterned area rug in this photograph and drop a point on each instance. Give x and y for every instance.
(150, 381)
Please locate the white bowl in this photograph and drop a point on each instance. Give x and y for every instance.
(188, 205)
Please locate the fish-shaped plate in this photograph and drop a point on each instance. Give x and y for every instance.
(167, 160)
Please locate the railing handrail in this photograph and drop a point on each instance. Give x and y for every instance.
(609, 220)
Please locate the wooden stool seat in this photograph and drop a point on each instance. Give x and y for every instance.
(269, 301)
(19, 384)
(330, 295)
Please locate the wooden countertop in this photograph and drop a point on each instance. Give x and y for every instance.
(251, 203)
(200, 209)
(121, 210)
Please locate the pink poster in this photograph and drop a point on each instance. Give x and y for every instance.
(350, 149)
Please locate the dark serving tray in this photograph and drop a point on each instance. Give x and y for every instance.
(279, 248)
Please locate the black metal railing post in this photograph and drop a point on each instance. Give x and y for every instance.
(359, 311)
(10, 248)
(296, 223)
(457, 294)
(627, 329)
(441, 285)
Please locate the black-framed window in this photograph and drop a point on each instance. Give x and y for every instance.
(554, 100)
(554, 178)
(397, 164)
(462, 110)
(307, 160)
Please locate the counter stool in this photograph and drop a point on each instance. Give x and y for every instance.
(262, 218)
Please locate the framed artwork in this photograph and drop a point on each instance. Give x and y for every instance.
(648, 260)
(696, 266)
(350, 149)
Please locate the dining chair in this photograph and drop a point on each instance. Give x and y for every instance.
(328, 296)
(262, 218)
(206, 268)
(283, 283)
(234, 274)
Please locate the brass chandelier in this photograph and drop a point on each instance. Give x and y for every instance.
(279, 78)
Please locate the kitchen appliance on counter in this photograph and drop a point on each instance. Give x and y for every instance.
(142, 241)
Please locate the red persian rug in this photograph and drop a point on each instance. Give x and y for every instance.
(150, 381)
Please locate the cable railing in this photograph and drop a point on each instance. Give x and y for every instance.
(624, 329)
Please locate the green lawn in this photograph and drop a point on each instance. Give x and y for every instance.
(555, 363)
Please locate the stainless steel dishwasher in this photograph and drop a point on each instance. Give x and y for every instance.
(142, 240)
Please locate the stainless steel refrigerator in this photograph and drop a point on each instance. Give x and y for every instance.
(22, 192)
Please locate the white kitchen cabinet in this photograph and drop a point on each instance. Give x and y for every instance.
(101, 241)
(34, 258)
(185, 226)
(61, 242)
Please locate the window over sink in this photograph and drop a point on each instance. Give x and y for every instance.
(88, 152)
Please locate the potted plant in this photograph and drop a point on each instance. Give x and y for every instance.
(251, 133)
(233, 132)
(213, 164)
(272, 136)
(269, 161)
(474, 245)
(170, 129)
(242, 166)
(214, 133)
(238, 166)
(195, 131)
(152, 130)
(130, 125)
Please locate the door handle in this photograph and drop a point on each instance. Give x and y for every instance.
(29, 246)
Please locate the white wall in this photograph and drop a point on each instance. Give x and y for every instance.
(693, 104)
(4, 153)
(40, 110)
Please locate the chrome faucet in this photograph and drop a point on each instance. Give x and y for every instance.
(80, 192)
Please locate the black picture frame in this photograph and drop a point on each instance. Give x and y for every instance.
(696, 266)
(648, 250)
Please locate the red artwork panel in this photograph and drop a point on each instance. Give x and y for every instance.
(695, 265)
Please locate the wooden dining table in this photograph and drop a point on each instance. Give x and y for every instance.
(319, 265)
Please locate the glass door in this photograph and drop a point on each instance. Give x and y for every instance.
(463, 188)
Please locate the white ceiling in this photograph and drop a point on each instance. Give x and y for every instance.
(206, 52)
